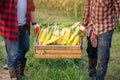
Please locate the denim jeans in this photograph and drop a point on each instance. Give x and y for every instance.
(16, 50)
(99, 57)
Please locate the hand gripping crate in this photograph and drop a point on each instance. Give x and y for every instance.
(57, 51)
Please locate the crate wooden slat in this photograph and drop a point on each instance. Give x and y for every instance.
(57, 51)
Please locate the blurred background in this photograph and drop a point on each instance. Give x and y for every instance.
(68, 7)
(63, 11)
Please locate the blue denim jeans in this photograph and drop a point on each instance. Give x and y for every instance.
(99, 57)
(16, 50)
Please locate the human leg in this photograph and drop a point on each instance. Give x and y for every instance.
(92, 59)
(24, 47)
(104, 44)
(12, 58)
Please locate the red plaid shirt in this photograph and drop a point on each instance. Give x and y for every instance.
(102, 13)
(9, 21)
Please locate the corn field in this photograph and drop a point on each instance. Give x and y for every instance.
(67, 6)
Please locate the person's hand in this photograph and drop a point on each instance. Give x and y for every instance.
(36, 28)
(82, 28)
(82, 31)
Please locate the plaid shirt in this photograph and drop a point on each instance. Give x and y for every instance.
(102, 13)
(9, 21)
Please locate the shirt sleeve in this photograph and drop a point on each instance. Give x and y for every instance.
(32, 5)
(117, 8)
(86, 13)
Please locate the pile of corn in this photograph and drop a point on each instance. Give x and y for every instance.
(61, 34)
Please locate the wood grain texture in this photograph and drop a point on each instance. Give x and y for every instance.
(57, 51)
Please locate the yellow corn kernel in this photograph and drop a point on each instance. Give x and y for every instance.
(52, 40)
(43, 35)
(72, 37)
(38, 38)
(76, 40)
(47, 38)
(66, 36)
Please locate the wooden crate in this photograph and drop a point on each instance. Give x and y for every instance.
(57, 51)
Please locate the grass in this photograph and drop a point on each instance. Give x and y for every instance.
(2, 53)
(114, 63)
(63, 69)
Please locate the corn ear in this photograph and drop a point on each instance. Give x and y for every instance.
(76, 40)
(75, 25)
(56, 33)
(52, 40)
(43, 35)
(63, 31)
(66, 36)
(39, 35)
(47, 38)
(72, 37)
